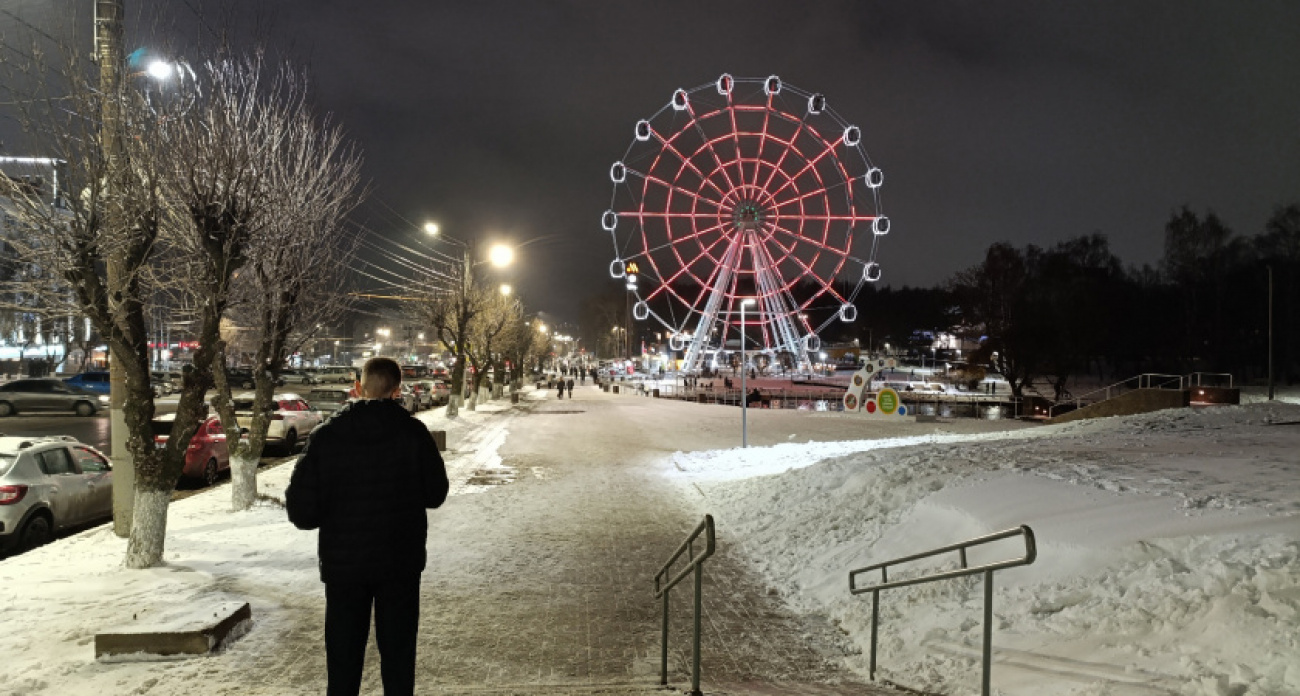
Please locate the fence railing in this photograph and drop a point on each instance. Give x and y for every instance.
(1031, 552)
(1149, 380)
(1210, 379)
(694, 564)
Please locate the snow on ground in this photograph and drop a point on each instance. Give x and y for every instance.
(54, 599)
(1168, 548)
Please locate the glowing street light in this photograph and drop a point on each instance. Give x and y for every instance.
(160, 70)
(431, 229)
(506, 289)
(501, 255)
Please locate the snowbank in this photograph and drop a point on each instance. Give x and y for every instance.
(1169, 548)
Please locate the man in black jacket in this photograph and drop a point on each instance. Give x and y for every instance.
(365, 481)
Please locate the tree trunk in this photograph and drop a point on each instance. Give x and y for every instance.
(148, 527)
(243, 480)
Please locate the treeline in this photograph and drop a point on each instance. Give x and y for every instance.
(1052, 314)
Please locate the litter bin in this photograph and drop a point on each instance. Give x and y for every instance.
(654, 393)
(440, 437)
(514, 397)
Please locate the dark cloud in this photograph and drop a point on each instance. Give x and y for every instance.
(1024, 121)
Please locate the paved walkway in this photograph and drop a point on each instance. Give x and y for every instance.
(541, 581)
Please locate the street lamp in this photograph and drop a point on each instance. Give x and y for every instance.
(744, 389)
(506, 289)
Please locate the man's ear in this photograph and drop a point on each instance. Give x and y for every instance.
(397, 392)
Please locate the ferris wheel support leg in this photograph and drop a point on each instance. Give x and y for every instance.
(709, 317)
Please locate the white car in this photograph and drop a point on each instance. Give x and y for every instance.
(336, 374)
(292, 418)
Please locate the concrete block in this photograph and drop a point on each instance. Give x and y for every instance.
(190, 631)
(926, 418)
(440, 437)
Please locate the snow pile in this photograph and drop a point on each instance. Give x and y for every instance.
(1168, 549)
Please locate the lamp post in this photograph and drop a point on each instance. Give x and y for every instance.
(744, 389)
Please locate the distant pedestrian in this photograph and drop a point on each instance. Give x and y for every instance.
(560, 383)
(569, 384)
(365, 481)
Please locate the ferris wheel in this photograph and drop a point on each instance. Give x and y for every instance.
(734, 219)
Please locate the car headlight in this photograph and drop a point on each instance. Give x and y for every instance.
(103, 398)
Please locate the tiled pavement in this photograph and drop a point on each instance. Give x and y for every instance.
(556, 598)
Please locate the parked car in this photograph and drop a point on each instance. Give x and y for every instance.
(165, 383)
(48, 484)
(94, 381)
(48, 394)
(436, 390)
(292, 418)
(242, 378)
(207, 456)
(293, 375)
(410, 401)
(328, 399)
(423, 391)
(337, 374)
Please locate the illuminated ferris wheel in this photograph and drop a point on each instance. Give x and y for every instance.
(734, 217)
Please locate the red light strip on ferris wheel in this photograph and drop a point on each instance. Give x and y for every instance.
(699, 129)
(790, 254)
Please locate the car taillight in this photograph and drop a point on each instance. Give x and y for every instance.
(12, 494)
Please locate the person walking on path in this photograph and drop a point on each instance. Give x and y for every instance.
(365, 480)
(560, 383)
(569, 384)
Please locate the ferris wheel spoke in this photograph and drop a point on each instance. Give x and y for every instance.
(797, 237)
(708, 143)
(677, 189)
(809, 165)
(686, 265)
(687, 163)
(762, 139)
(789, 146)
(823, 190)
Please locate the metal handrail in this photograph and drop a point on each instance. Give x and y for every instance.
(1031, 553)
(1196, 379)
(1146, 380)
(663, 585)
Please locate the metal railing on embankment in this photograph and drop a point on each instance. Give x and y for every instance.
(1031, 552)
(694, 564)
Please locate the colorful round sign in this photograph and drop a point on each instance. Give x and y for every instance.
(888, 400)
(850, 402)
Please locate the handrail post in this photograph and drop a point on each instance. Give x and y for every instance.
(695, 651)
(988, 632)
(875, 620)
(663, 646)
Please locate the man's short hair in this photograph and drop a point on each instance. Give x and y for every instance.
(379, 378)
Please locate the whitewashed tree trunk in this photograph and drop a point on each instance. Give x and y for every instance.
(473, 400)
(243, 481)
(148, 529)
(453, 405)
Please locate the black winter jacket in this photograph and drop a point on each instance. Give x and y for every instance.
(365, 480)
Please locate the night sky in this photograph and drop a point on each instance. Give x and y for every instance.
(1028, 122)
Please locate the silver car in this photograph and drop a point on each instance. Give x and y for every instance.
(45, 394)
(48, 484)
(327, 400)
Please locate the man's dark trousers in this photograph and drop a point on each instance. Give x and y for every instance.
(347, 627)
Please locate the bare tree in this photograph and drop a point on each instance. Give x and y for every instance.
(294, 284)
(100, 238)
(486, 336)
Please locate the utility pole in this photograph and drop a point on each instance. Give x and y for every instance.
(108, 51)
